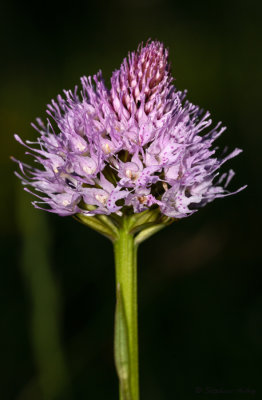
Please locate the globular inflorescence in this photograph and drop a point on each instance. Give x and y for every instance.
(139, 145)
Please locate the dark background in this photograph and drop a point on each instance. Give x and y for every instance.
(200, 297)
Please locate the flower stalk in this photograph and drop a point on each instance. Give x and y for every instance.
(126, 233)
(126, 331)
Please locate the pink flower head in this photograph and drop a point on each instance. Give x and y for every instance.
(135, 146)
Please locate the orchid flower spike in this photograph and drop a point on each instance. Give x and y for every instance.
(138, 146)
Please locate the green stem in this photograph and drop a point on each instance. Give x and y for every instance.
(126, 280)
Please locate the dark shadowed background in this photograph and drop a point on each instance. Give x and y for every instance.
(200, 297)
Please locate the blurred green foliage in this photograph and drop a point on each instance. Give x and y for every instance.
(199, 280)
